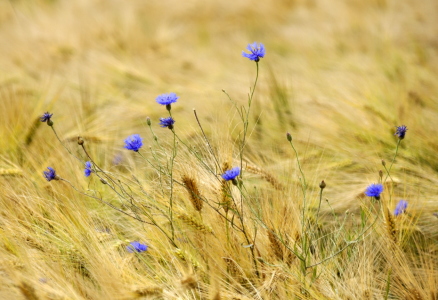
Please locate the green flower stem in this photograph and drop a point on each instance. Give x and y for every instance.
(319, 205)
(172, 160)
(303, 186)
(68, 150)
(393, 159)
(348, 243)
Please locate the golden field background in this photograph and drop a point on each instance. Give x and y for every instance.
(338, 75)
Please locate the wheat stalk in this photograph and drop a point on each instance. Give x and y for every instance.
(266, 176)
(194, 194)
(195, 223)
(276, 246)
(11, 172)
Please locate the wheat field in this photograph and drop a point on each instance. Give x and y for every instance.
(309, 127)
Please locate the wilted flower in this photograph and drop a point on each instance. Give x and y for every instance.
(136, 247)
(167, 122)
(257, 51)
(401, 207)
(50, 174)
(374, 190)
(231, 174)
(401, 131)
(88, 169)
(167, 99)
(134, 142)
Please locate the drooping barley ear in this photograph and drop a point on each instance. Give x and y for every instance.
(27, 291)
(232, 268)
(225, 199)
(187, 258)
(297, 236)
(178, 252)
(270, 285)
(367, 295)
(88, 138)
(10, 172)
(276, 246)
(31, 133)
(390, 225)
(217, 295)
(148, 291)
(195, 223)
(414, 294)
(189, 282)
(266, 176)
(194, 194)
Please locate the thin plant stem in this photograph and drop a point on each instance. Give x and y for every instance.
(206, 139)
(393, 159)
(68, 150)
(349, 243)
(319, 205)
(172, 160)
(303, 188)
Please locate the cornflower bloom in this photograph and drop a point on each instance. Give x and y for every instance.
(46, 118)
(401, 207)
(88, 170)
(257, 51)
(136, 247)
(167, 99)
(401, 131)
(134, 142)
(374, 190)
(231, 174)
(167, 122)
(50, 174)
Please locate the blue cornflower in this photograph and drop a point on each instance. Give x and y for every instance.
(88, 169)
(401, 131)
(374, 190)
(167, 99)
(136, 247)
(401, 207)
(134, 142)
(167, 122)
(257, 51)
(50, 174)
(231, 174)
(46, 116)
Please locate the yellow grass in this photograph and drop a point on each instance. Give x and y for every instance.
(338, 75)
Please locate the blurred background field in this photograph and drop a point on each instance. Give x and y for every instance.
(338, 75)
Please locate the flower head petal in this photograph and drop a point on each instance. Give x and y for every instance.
(167, 99)
(88, 170)
(134, 142)
(136, 247)
(401, 207)
(257, 51)
(231, 174)
(50, 174)
(401, 131)
(46, 117)
(167, 122)
(374, 190)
